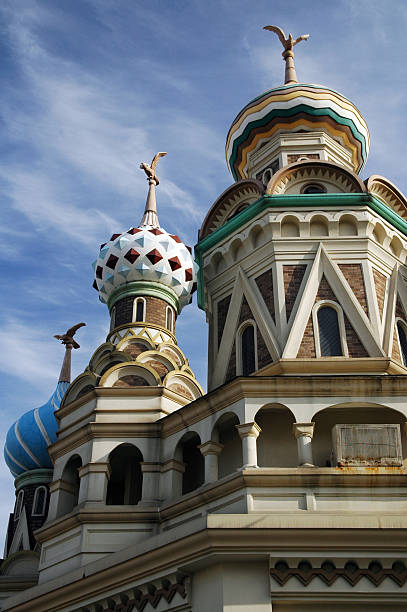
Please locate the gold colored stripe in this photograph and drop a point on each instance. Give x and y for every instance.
(289, 96)
(327, 126)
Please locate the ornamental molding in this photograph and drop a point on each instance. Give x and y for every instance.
(305, 573)
(318, 170)
(242, 192)
(388, 193)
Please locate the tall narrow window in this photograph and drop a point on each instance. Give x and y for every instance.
(248, 351)
(19, 505)
(40, 498)
(403, 341)
(169, 319)
(329, 335)
(139, 313)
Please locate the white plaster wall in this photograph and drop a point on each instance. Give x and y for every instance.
(232, 587)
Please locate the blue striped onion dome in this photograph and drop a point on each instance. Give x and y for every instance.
(291, 108)
(28, 438)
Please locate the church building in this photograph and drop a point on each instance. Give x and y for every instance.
(284, 487)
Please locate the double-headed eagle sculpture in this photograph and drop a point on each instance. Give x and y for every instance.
(150, 170)
(67, 338)
(288, 53)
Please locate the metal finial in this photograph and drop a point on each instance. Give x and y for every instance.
(288, 53)
(150, 216)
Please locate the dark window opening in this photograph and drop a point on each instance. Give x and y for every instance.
(40, 497)
(140, 310)
(403, 342)
(329, 335)
(314, 188)
(248, 355)
(193, 477)
(126, 478)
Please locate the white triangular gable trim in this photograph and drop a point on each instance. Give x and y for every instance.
(323, 265)
(21, 534)
(390, 312)
(245, 287)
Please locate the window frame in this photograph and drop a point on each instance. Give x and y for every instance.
(19, 505)
(238, 342)
(136, 301)
(112, 318)
(341, 326)
(169, 311)
(44, 505)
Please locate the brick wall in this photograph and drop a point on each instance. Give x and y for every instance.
(34, 522)
(263, 356)
(222, 311)
(155, 311)
(380, 285)
(266, 288)
(293, 276)
(354, 276)
(307, 347)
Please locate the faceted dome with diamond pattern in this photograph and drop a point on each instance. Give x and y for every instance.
(150, 254)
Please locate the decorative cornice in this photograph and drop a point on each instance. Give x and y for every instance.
(217, 534)
(33, 477)
(340, 200)
(329, 573)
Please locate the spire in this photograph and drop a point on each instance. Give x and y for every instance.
(70, 343)
(288, 53)
(65, 375)
(150, 216)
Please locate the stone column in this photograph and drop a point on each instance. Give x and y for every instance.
(211, 451)
(62, 498)
(303, 433)
(171, 479)
(93, 484)
(249, 433)
(151, 481)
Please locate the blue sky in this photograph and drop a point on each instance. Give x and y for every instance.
(91, 88)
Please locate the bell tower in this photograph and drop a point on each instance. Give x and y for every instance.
(302, 265)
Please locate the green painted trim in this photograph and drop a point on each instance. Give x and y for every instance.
(142, 289)
(40, 476)
(292, 201)
(290, 112)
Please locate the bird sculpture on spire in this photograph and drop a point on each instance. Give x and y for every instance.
(150, 170)
(67, 338)
(150, 216)
(288, 53)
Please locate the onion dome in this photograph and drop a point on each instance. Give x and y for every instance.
(295, 107)
(146, 260)
(28, 438)
(292, 108)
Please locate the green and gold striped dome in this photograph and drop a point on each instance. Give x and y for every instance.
(292, 108)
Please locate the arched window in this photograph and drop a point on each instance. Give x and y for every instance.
(401, 330)
(169, 319)
(193, 460)
(314, 188)
(70, 476)
(40, 499)
(126, 478)
(19, 505)
(246, 353)
(329, 335)
(139, 309)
